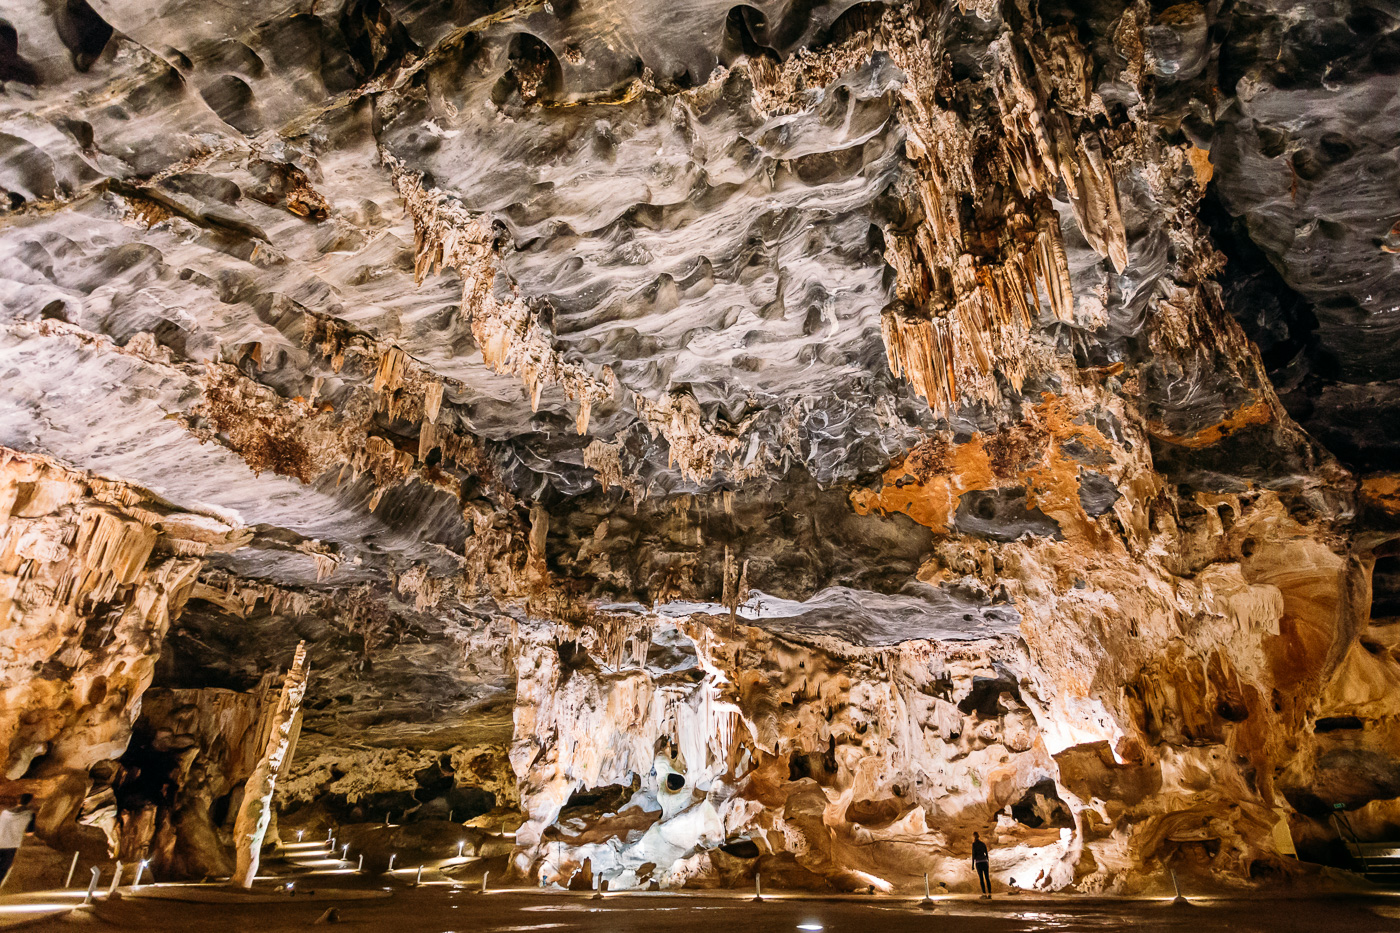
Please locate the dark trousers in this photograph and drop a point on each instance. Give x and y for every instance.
(7, 858)
(984, 877)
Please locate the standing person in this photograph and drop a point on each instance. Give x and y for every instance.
(13, 824)
(982, 862)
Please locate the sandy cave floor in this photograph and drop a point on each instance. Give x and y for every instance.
(446, 909)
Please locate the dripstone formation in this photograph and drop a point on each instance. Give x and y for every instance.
(708, 440)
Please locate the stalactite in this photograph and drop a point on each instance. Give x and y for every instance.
(969, 286)
(432, 401)
(390, 370)
(92, 574)
(508, 334)
(512, 340)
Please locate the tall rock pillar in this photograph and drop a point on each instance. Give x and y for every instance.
(255, 812)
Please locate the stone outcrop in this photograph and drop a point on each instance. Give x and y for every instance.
(92, 574)
(175, 792)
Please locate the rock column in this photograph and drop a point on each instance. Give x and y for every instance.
(255, 813)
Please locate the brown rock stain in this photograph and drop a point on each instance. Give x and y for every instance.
(1382, 492)
(1257, 412)
(926, 486)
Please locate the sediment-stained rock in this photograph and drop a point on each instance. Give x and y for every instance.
(93, 573)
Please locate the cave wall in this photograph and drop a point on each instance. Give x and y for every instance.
(178, 785)
(94, 573)
(1173, 742)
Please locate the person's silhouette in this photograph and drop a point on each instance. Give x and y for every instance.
(981, 861)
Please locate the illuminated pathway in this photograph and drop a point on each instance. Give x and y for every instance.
(444, 908)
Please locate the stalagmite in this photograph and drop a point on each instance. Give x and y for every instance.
(255, 812)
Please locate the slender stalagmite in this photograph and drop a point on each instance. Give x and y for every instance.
(255, 813)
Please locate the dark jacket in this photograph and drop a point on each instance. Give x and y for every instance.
(979, 851)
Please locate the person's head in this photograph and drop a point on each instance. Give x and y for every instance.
(976, 838)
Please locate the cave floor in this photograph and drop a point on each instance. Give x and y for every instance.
(448, 909)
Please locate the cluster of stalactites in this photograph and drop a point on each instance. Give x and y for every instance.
(240, 596)
(696, 447)
(510, 338)
(971, 282)
(97, 543)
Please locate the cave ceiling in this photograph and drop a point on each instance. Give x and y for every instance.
(471, 313)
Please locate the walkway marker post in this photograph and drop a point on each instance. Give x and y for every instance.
(1179, 900)
(757, 888)
(484, 876)
(116, 880)
(92, 885)
(72, 867)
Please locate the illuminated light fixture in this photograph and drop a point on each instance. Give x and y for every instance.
(880, 884)
(810, 925)
(33, 908)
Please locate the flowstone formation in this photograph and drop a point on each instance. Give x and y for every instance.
(712, 442)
